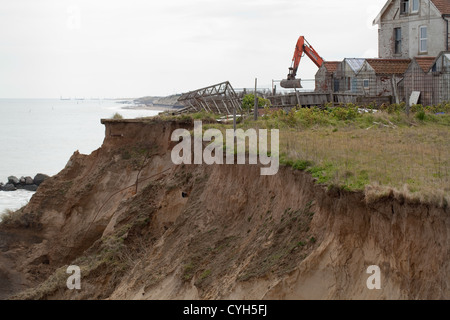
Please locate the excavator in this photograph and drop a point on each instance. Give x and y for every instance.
(303, 47)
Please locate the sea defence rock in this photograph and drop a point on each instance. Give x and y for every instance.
(25, 183)
(31, 187)
(9, 187)
(13, 180)
(39, 178)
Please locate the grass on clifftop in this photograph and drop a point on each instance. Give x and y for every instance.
(117, 116)
(376, 150)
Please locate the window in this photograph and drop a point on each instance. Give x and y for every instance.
(366, 83)
(398, 40)
(423, 42)
(354, 85)
(404, 6)
(336, 85)
(415, 6)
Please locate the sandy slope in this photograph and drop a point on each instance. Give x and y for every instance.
(238, 235)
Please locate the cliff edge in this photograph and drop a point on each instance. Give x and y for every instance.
(140, 227)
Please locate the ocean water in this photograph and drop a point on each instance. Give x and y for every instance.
(39, 136)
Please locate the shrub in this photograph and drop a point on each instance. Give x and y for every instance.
(393, 108)
(301, 164)
(248, 103)
(349, 112)
(440, 108)
(417, 108)
(117, 116)
(421, 115)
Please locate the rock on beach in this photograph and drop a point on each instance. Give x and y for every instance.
(25, 183)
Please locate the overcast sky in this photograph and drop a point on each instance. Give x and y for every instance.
(134, 48)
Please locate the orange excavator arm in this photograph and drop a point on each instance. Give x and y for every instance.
(302, 47)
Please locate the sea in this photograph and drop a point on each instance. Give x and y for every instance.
(40, 135)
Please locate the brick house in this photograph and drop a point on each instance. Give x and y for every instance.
(380, 77)
(325, 76)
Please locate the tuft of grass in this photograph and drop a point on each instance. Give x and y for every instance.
(301, 164)
(189, 271)
(55, 282)
(205, 117)
(205, 274)
(19, 219)
(6, 215)
(421, 115)
(117, 116)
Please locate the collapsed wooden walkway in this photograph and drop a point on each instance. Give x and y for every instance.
(222, 99)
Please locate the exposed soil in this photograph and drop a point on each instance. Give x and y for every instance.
(233, 235)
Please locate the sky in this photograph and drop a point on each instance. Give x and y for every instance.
(136, 48)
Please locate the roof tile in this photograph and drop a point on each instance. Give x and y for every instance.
(331, 65)
(389, 66)
(442, 5)
(425, 63)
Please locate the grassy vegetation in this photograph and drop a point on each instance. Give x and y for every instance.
(395, 147)
(345, 148)
(117, 116)
(19, 219)
(248, 102)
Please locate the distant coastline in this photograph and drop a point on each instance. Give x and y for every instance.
(168, 103)
(152, 107)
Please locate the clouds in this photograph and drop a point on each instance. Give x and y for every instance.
(133, 48)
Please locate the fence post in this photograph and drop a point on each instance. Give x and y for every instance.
(234, 121)
(256, 100)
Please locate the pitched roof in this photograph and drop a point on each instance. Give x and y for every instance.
(389, 66)
(331, 65)
(378, 18)
(355, 63)
(425, 63)
(444, 55)
(442, 5)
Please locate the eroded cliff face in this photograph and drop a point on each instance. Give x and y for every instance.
(140, 227)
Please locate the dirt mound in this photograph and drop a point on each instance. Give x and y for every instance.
(141, 228)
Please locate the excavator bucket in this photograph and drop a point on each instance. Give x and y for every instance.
(291, 84)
